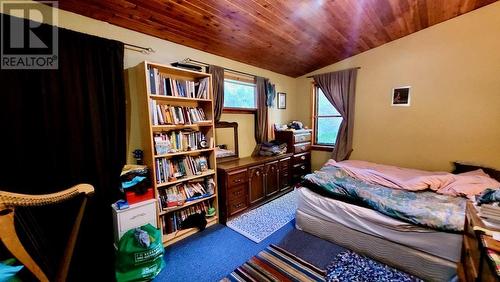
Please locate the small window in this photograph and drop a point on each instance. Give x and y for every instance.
(326, 120)
(239, 95)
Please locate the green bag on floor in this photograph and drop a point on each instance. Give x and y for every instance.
(138, 263)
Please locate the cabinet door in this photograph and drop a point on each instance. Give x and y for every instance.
(256, 183)
(272, 178)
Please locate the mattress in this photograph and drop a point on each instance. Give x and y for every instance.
(440, 244)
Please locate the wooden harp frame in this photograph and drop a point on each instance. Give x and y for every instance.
(8, 235)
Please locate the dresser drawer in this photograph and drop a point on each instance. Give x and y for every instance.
(285, 164)
(135, 216)
(304, 158)
(299, 138)
(237, 205)
(301, 169)
(302, 147)
(236, 177)
(236, 192)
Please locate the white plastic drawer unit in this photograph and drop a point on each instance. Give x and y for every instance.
(136, 215)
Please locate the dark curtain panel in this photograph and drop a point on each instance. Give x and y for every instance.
(218, 89)
(339, 88)
(271, 94)
(64, 127)
(261, 115)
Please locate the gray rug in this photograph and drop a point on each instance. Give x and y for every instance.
(263, 221)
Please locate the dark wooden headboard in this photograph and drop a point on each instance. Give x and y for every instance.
(234, 126)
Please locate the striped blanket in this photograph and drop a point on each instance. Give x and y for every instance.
(276, 264)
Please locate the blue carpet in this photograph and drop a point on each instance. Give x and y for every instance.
(214, 253)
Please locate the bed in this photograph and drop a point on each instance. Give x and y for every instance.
(414, 242)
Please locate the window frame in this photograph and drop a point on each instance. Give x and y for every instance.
(236, 110)
(314, 121)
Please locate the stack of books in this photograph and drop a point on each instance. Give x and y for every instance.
(161, 84)
(179, 194)
(165, 114)
(171, 169)
(491, 214)
(179, 141)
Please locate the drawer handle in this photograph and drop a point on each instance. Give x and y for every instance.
(302, 147)
(238, 205)
(138, 215)
(303, 167)
(303, 157)
(237, 180)
(237, 193)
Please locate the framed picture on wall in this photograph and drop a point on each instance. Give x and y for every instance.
(281, 100)
(401, 96)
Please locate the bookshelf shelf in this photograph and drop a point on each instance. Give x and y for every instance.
(175, 98)
(193, 152)
(166, 96)
(207, 173)
(180, 126)
(171, 238)
(186, 204)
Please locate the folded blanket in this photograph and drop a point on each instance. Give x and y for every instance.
(466, 184)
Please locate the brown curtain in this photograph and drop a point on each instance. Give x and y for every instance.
(339, 88)
(261, 115)
(67, 126)
(218, 89)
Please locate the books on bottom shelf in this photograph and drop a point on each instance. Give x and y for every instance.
(173, 222)
(192, 190)
(490, 214)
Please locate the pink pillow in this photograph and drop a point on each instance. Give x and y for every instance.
(469, 184)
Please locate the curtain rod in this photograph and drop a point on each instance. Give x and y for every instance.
(226, 69)
(144, 50)
(311, 76)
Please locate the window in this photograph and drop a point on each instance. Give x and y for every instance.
(326, 120)
(239, 96)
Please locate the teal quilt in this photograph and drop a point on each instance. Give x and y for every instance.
(424, 208)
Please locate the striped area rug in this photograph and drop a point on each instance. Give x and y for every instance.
(276, 264)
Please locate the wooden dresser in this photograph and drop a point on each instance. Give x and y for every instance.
(476, 264)
(299, 144)
(251, 181)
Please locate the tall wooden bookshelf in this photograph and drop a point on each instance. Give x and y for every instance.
(150, 128)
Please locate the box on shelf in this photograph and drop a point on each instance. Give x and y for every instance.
(133, 197)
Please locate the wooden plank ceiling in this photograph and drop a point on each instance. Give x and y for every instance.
(291, 37)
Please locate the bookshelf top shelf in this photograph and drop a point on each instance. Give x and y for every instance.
(179, 126)
(178, 71)
(175, 98)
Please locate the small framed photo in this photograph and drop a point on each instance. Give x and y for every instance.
(401, 96)
(281, 100)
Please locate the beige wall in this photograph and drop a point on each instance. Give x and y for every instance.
(168, 52)
(454, 71)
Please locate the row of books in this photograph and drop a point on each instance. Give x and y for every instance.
(179, 141)
(491, 214)
(173, 222)
(168, 170)
(179, 194)
(166, 114)
(161, 84)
